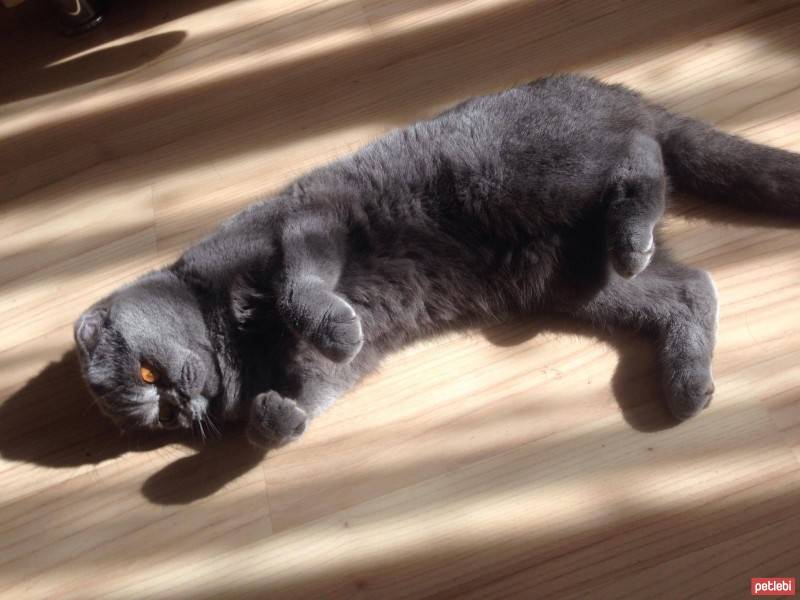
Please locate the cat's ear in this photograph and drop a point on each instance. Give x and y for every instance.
(88, 327)
(193, 374)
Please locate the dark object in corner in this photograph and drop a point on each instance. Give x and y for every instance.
(78, 16)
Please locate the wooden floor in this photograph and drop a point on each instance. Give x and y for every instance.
(531, 460)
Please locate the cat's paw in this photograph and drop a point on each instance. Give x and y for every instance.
(339, 336)
(632, 258)
(275, 420)
(689, 390)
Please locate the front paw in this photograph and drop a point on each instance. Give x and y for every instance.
(632, 257)
(275, 420)
(339, 336)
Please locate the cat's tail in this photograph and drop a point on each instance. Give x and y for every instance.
(708, 162)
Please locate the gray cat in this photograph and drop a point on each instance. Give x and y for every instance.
(539, 199)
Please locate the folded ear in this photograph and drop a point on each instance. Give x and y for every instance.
(88, 327)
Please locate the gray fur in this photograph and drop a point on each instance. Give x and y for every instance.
(539, 199)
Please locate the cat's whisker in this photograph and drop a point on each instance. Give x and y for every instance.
(201, 429)
(211, 425)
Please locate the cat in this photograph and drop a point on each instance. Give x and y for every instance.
(542, 199)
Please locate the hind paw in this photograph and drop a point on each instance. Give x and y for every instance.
(689, 390)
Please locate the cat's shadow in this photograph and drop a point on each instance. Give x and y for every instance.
(635, 382)
(52, 421)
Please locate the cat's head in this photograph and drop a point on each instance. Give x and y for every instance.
(146, 356)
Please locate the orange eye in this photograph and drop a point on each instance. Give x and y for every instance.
(147, 374)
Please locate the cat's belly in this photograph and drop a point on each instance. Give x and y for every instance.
(401, 298)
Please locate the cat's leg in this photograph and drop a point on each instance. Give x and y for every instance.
(679, 305)
(636, 198)
(276, 419)
(308, 386)
(314, 254)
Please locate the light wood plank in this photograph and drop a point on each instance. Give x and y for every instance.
(527, 460)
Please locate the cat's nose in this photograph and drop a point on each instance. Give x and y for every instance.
(175, 398)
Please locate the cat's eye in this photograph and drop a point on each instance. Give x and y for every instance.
(166, 413)
(148, 374)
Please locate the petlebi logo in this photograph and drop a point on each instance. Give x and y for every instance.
(773, 586)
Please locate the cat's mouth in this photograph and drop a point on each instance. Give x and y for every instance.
(176, 411)
(168, 416)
